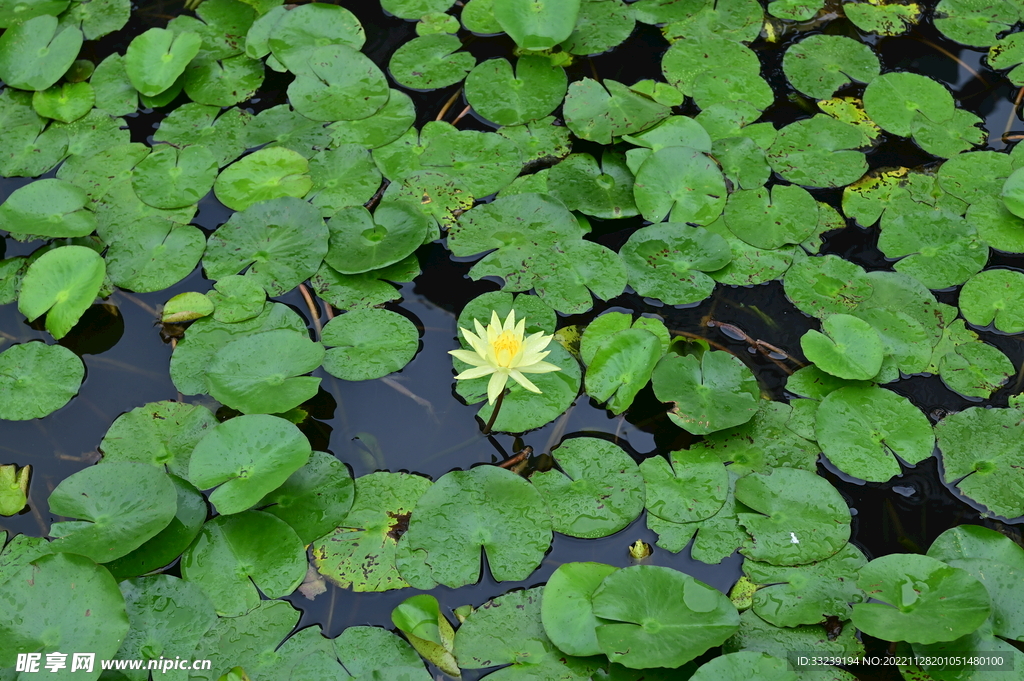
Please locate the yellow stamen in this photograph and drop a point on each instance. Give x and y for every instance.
(506, 346)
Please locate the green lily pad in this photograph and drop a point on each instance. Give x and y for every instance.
(186, 307)
(739, 90)
(606, 325)
(18, 12)
(172, 178)
(414, 9)
(750, 265)
(36, 53)
(62, 283)
(600, 111)
(208, 335)
(440, 197)
(48, 208)
(428, 630)
(739, 20)
(499, 512)
(342, 177)
(66, 103)
(360, 553)
(367, 652)
(792, 596)
(430, 62)
(360, 242)
(980, 454)
(164, 547)
(923, 600)
(669, 262)
(235, 554)
(263, 373)
(764, 442)
(975, 369)
(114, 93)
(757, 635)
(37, 379)
(168, 616)
(654, 616)
(342, 85)
(121, 504)
(152, 253)
(43, 614)
(223, 82)
(368, 344)
(537, 24)
(567, 609)
(266, 174)
(158, 433)
(370, 289)
(598, 491)
(692, 487)
(621, 366)
(383, 127)
(315, 499)
(681, 183)
(155, 59)
(860, 428)
(600, 26)
(32, 149)
(224, 134)
(250, 640)
(884, 18)
(746, 664)
(284, 240)
(300, 31)
(821, 64)
(895, 100)
(819, 152)
(689, 57)
(799, 517)
(974, 23)
(850, 348)
(236, 299)
(826, 285)
(541, 139)
(539, 245)
(534, 91)
(789, 215)
(992, 297)
(246, 458)
(714, 392)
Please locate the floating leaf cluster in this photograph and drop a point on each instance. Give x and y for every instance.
(335, 192)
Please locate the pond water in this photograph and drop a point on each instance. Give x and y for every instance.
(412, 420)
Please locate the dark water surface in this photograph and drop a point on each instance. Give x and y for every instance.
(412, 420)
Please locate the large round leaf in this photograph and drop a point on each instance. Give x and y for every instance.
(714, 392)
(861, 428)
(175, 178)
(993, 297)
(537, 24)
(789, 215)
(486, 507)
(602, 111)
(36, 53)
(233, 555)
(746, 664)
(156, 58)
(621, 366)
(567, 610)
(121, 506)
(368, 344)
(159, 433)
(598, 491)
(315, 499)
(923, 600)
(800, 518)
(821, 64)
(343, 85)
(819, 152)
(37, 379)
(168, 618)
(284, 240)
(49, 208)
(430, 62)
(361, 242)
(248, 457)
(692, 487)
(654, 616)
(40, 612)
(296, 35)
(826, 284)
(152, 253)
(62, 283)
(536, 89)
(681, 183)
(266, 174)
(667, 262)
(895, 100)
(262, 373)
(360, 553)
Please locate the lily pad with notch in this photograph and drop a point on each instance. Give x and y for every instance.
(361, 242)
(368, 344)
(48, 208)
(159, 433)
(692, 487)
(61, 283)
(236, 554)
(764, 442)
(152, 253)
(65, 103)
(532, 92)
(223, 82)
(600, 111)
(35, 53)
(795, 516)
(537, 24)
(827, 285)
(622, 366)
(993, 297)
(236, 299)
(343, 84)
(315, 499)
(246, 458)
(266, 174)
(714, 392)
(299, 32)
(498, 512)
(849, 348)
(601, 25)
(369, 289)
(222, 133)
(384, 127)
(155, 59)
(598, 491)
(787, 215)
(819, 152)
(37, 379)
(681, 183)
(264, 373)
(281, 241)
(367, 651)
(343, 176)
(567, 609)
(602, 191)
(430, 62)
(861, 428)
(360, 553)
(821, 64)
(121, 505)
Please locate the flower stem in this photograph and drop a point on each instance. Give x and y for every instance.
(494, 413)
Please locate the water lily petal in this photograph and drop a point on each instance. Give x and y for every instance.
(496, 385)
(469, 357)
(524, 381)
(475, 372)
(539, 368)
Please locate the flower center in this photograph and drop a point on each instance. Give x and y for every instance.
(506, 346)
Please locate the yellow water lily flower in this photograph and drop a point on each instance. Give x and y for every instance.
(499, 350)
